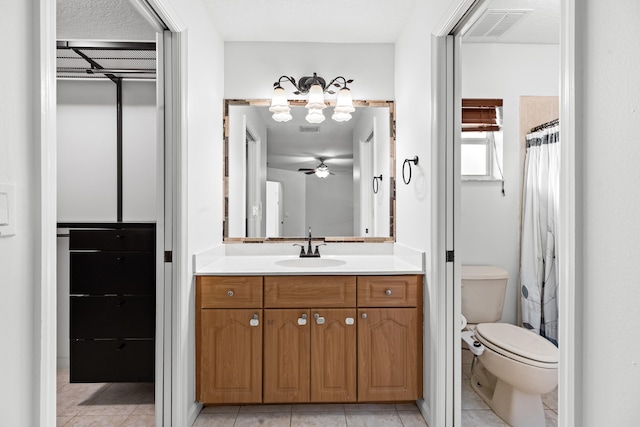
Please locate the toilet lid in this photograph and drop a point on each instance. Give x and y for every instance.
(517, 343)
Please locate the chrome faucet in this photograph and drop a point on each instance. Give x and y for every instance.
(310, 253)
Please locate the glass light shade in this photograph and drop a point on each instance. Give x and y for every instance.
(340, 117)
(316, 98)
(315, 115)
(344, 103)
(283, 116)
(322, 171)
(279, 101)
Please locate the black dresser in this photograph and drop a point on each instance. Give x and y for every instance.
(112, 318)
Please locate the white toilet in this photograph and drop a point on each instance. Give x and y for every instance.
(514, 366)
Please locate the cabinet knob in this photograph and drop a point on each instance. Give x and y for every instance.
(387, 292)
(319, 319)
(364, 315)
(302, 320)
(230, 294)
(254, 320)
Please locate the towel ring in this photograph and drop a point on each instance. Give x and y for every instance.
(376, 184)
(408, 162)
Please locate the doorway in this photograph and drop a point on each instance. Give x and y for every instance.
(447, 94)
(169, 228)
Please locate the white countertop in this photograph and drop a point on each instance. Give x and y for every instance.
(248, 265)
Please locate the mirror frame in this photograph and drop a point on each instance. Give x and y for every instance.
(330, 239)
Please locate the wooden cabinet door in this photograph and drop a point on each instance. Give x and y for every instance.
(388, 354)
(230, 356)
(333, 355)
(287, 353)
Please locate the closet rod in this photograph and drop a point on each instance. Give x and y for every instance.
(545, 125)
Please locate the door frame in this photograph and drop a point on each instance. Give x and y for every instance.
(171, 382)
(446, 213)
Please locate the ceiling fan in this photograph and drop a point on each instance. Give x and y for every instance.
(321, 171)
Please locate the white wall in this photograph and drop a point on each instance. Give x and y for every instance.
(490, 223)
(87, 164)
(329, 209)
(20, 261)
(252, 67)
(294, 196)
(413, 137)
(608, 228)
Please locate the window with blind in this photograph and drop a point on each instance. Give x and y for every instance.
(481, 143)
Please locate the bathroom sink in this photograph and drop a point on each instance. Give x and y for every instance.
(311, 262)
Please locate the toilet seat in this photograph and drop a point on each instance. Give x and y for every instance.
(518, 344)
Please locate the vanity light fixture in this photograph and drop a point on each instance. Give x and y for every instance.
(315, 86)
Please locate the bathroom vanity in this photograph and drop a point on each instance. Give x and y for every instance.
(308, 336)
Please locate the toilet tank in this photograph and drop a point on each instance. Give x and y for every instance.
(483, 289)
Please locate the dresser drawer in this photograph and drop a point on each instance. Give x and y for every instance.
(126, 239)
(99, 273)
(112, 317)
(112, 361)
(230, 291)
(389, 291)
(309, 291)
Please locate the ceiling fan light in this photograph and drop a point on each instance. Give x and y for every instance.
(315, 115)
(344, 103)
(322, 171)
(316, 98)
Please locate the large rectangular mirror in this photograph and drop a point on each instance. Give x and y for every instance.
(281, 178)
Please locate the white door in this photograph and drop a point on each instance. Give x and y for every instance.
(275, 209)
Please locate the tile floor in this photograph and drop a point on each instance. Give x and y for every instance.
(330, 415)
(105, 405)
(126, 405)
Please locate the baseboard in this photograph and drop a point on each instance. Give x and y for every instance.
(424, 410)
(194, 411)
(63, 363)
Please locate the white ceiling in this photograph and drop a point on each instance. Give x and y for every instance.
(329, 21)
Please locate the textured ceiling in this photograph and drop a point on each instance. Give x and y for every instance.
(101, 20)
(329, 21)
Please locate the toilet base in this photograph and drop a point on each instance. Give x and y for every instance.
(517, 408)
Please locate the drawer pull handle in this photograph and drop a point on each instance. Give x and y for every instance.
(119, 236)
(230, 293)
(364, 315)
(120, 303)
(254, 320)
(319, 319)
(387, 292)
(120, 259)
(121, 346)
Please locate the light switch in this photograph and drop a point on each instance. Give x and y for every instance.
(4, 209)
(7, 210)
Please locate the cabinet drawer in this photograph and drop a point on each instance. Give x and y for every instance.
(112, 317)
(388, 291)
(112, 361)
(230, 291)
(309, 291)
(129, 239)
(99, 273)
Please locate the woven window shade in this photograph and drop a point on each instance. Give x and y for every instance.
(479, 115)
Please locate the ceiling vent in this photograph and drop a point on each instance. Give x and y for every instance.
(309, 129)
(494, 23)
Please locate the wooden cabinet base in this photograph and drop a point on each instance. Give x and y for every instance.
(295, 339)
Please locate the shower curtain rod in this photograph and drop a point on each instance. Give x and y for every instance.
(545, 125)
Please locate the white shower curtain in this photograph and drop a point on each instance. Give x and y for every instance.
(538, 271)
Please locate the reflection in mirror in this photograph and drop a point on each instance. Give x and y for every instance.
(283, 177)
